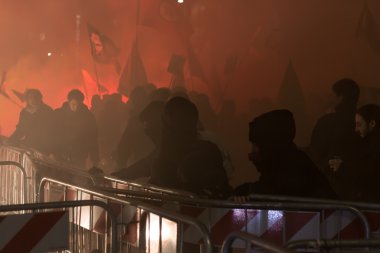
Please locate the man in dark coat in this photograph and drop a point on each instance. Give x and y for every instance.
(285, 170)
(76, 131)
(184, 161)
(334, 138)
(367, 169)
(34, 126)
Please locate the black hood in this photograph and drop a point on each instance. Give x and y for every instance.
(274, 128)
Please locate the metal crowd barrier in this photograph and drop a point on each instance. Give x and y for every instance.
(76, 234)
(254, 240)
(17, 193)
(278, 220)
(331, 244)
(159, 228)
(19, 185)
(135, 186)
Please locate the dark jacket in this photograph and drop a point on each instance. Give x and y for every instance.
(198, 169)
(367, 172)
(76, 135)
(290, 172)
(285, 170)
(34, 129)
(334, 136)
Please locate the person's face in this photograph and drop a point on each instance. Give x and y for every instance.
(33, 102)
(73, 104)
(362, 127)
(254, 155)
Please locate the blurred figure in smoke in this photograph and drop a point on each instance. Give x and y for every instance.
(285, 170)
(34, 126)
(76, 131)
(184, 161)
(334, 138)
(152, 125)
(134, 144)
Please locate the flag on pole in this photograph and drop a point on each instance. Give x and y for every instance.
(290, 94)
(2, 87)
(103, 49)
(367, 28)
(19, 95)
(175, 67)
(194, 64)
(134, 73)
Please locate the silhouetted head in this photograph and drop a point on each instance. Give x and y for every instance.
(180, 116)
(33, 98)
(347, 90)
(161, 94)
(367, 119)
(274, 130)
(75, 98)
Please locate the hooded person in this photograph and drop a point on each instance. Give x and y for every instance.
(76, 131)
(184, 161)
(285, 170)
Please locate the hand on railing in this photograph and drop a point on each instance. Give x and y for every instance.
(240, 199)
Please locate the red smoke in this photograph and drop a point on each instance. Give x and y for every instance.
(264, 35)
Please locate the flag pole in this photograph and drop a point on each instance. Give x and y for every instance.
(96, 75)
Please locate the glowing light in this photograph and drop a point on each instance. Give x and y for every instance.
(49, 54)
(180, 1)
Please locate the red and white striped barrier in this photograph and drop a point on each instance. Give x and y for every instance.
(39, 232)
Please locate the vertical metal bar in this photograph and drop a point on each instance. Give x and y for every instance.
(180, 237)
(91, 222)
(284, 215)
(247, 245)
(106, 231)
(122, 228)
(160, 234)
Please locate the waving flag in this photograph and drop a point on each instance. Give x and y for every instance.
(103, 49)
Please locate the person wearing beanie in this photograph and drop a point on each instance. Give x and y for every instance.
(76, 132)
(285, 169)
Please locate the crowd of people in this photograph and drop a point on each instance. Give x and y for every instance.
(168, 137)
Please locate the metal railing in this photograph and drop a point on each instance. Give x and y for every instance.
(331, 244)
(69, 204)
(285, 206)
(162, 212)
(132, 185)
(254, 240)
(24, 190)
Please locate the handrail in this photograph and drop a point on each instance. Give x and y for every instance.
(151, 187)
(369, 243)
(23, 172)
(361, 205)
(68, 204)
(151, 208)
(288, 206)
(227, 243)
